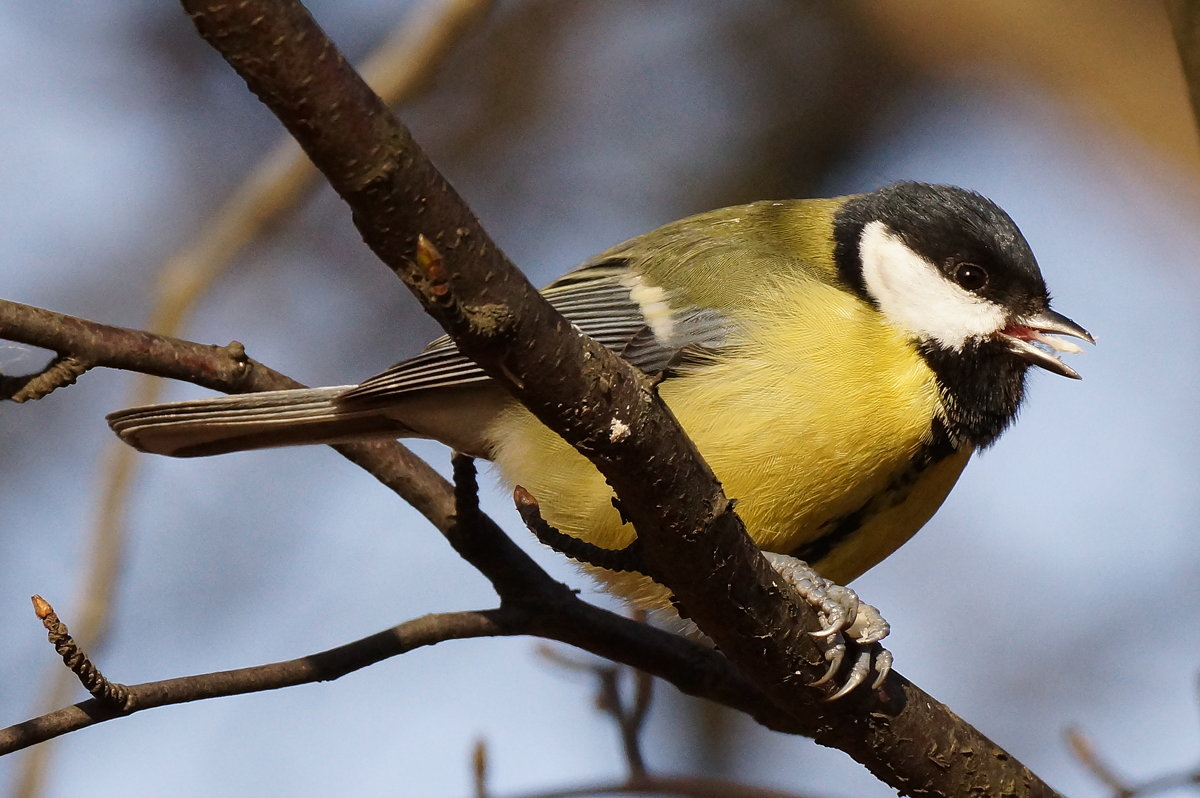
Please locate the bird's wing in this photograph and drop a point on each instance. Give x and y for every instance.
(604, 299)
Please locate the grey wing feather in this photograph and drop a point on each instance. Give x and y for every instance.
(598, 298)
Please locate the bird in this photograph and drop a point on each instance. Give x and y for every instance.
(837, 362)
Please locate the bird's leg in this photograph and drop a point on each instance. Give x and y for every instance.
(846, 621)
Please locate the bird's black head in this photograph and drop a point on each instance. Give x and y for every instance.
(951, 270)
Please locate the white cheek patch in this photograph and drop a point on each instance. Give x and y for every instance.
(914, 296)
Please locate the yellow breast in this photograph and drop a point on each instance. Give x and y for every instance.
(811, 417)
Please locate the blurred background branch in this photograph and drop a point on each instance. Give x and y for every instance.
(1111, 59)
(1185, 22)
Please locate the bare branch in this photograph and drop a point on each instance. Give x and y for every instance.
(397, 69)
(629, 717)
(691, 667)
(325, 666)
(58, 373)
(228, 369)
(690, 534)
(498, 319)
(76, 659)
(626, 559)
(221, 368)
(551, 610)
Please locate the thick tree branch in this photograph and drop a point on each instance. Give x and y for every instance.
(497, 318)
(577, 388)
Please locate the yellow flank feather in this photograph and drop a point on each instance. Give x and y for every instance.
(818, 406)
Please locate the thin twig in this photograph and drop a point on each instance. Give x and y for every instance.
(479, 767)
(77, 660)
(609, 699)
(1086, 753)
(58, 373)
(466, 492)
(628, 559)
(1171, 781)
(324, 666)
(1106, 774)
(630, 718)
(629, 721)
(643, 694)
(691, 667)
(559, 659)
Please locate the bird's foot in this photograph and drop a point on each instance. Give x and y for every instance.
(847, 623)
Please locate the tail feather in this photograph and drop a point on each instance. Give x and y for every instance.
(250, 421)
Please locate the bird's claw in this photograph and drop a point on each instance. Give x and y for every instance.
(874, 657)
(846, 622)
(834, 655)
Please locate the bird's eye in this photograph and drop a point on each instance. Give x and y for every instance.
(970, 276)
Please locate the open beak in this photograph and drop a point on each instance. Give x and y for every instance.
(1023, 335)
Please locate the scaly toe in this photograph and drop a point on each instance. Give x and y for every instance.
(883, 664)
(869, 626)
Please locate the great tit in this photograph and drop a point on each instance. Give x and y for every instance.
(836, 362)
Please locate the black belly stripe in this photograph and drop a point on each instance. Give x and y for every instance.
(835, 531)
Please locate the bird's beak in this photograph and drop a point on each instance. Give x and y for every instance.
(1024, 332)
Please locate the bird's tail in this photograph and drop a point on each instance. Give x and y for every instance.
(251, 421)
